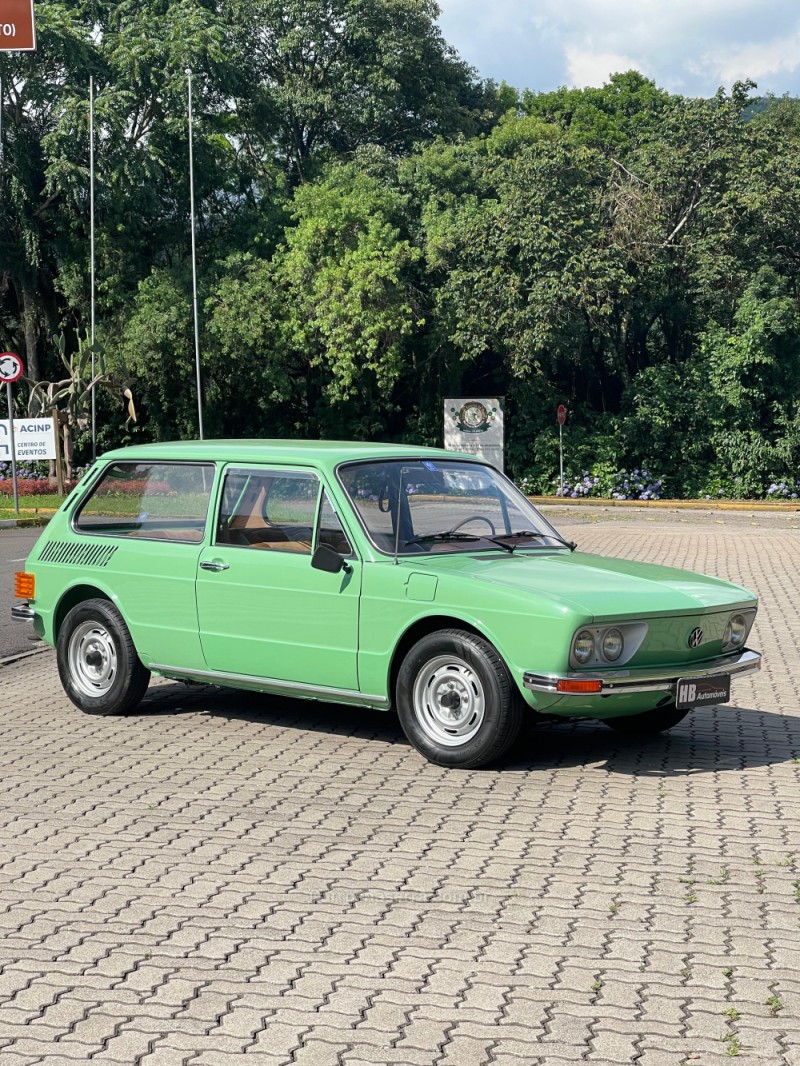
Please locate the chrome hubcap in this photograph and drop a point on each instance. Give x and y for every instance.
(92, 659)
(449, 701)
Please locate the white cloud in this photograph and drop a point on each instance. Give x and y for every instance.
(690, 46)
(586, 67)
(653, 24)
(701, 37)
(758, 61)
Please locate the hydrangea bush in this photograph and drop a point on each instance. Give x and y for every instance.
(587, 485)
(26, 471)
(637, 484)
(788, 490)
(601, 482)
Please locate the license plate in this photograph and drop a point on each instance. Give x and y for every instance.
(699, 691)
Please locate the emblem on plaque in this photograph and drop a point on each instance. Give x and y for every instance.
(473, 417)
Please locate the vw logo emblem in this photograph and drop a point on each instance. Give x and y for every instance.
(696, 637)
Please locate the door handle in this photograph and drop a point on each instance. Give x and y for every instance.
(215, 567)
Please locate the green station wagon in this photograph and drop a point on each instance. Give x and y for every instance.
(372, 575)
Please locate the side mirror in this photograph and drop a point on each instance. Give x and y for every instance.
(328, 560)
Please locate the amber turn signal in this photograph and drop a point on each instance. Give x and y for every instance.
(571, 685)
(24, 585)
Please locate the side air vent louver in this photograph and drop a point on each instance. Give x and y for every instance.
(57, 551)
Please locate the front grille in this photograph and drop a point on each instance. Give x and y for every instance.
(59, 551)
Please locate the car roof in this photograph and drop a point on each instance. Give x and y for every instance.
(325, 453)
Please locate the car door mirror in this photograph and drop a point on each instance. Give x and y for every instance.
(325, 558)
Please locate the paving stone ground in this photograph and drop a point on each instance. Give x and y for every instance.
(221, 874)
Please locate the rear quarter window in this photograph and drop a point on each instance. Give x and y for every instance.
(154, 501)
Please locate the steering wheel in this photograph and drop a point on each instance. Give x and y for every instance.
(474, 518)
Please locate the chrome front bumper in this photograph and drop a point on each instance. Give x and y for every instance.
(22, 612)
(623, 682)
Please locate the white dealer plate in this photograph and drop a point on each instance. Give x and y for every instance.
(698, 691)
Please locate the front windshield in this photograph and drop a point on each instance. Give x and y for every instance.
(443, 505)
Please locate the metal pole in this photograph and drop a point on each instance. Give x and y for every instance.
(194, 267)
(91, 256)
(561, 454)
(13, 446)
(2, 153)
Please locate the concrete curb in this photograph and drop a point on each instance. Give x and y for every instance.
(789, 507)
(11, 659)
(23, 523)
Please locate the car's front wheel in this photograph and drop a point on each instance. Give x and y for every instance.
(97, 661)
(456, 701)
(650, 723)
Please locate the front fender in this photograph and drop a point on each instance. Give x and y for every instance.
(535, 630)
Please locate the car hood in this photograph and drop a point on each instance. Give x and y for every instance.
(593, 584)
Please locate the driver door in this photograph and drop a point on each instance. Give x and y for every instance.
(263, 610)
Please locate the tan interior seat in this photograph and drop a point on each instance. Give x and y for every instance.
(301, 546)
(191, 536)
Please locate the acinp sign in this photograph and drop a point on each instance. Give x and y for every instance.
(34, 438)
(17, 28)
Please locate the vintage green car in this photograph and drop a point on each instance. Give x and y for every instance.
(373, 575)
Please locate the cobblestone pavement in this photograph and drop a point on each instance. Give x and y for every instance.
(222, 874)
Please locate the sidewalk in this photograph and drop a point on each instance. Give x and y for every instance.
(223, 874)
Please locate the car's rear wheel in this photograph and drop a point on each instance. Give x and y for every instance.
(97, 661)
(456, 701)
(650, 723)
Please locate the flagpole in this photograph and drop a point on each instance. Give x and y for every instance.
(92, 259)
(1, 109)
(194, 265)
(2, 71)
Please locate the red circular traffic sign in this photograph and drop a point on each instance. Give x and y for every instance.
(11, 368)
(561, 414)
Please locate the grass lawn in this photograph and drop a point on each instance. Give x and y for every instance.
(38, 507)
(30, 506)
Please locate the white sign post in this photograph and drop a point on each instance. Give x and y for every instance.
(475, 425)
(11, 369)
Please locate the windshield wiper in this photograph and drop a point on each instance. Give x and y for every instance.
(452, 535)
(526, 534)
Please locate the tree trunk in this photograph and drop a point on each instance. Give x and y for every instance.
(31, 318)
(68, 452)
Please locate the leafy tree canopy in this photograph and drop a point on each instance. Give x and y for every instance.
(376, 229)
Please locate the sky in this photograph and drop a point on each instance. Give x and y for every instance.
(690, 47)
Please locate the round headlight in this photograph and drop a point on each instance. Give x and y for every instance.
(735, 631)
(584, 646)
(612, 645)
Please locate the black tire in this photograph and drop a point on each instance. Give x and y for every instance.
(648, 724)
(97, 661)
(483, 712)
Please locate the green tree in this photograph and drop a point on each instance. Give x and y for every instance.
(532, 276)
(327, 76)
(37, 191)
(137, 53)
(348, 273)
(614, 118)
(259, 383)
(156, 345)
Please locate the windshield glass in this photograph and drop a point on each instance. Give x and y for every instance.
(450, 505)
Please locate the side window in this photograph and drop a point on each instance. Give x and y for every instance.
(330, 530)
(156, 501)
(269, 509)
(373, 491)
